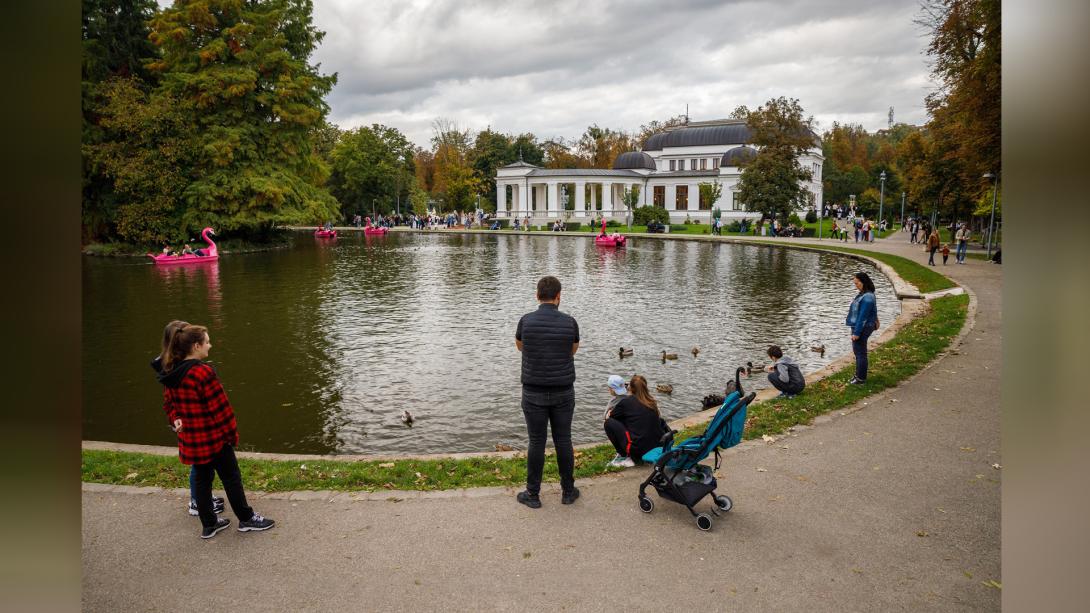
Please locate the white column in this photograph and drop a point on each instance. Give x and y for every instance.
(580, 199)
(607, 199)
(539, 199)
(593, 198)
(671, 197)
(694, 197)
(554, 199)
(501, 200)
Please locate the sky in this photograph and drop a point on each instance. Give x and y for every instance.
(555, 67)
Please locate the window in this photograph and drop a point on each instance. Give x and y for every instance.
(736, 204)
(681, 200)
(694, 164)
(673, 165)
(660, 196)
(681, 164)
(703, 164)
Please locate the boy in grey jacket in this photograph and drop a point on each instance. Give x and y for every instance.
(784, 373)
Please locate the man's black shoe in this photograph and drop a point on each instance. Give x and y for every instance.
(569, 496)
(221, 524)
(531, 500)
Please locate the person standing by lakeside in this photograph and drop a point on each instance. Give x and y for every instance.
(548, 340)
(933, 245)
(863, 321)
(169, 331)
(207, 432)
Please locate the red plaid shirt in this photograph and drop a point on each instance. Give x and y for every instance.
(208, 422)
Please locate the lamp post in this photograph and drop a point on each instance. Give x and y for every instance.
(373, 209)
(881, 197)
(991, 222)
(902, 210)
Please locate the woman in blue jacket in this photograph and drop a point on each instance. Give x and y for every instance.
(863, 320)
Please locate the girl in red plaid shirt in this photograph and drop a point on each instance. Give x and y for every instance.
(197, 406)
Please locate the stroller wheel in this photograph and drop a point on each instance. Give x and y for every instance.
(724, 503)
(704, 521)
(646, 504)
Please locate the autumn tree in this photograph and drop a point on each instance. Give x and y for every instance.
(600, 146)
(771, 183)
(455, 183)
(371, 164)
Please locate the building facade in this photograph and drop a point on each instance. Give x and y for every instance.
(667, 173)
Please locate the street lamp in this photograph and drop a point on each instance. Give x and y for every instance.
(373, 209)
(902, 210)
(881, 198)
(991, 222)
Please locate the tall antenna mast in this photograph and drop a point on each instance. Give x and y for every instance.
(891, 117)
(686, 112)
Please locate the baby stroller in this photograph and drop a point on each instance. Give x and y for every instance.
(677, 474)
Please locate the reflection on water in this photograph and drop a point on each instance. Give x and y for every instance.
(322, 346)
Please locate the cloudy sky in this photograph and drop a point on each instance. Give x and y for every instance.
(555, 67)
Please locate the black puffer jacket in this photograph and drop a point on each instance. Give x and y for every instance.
(547, 337)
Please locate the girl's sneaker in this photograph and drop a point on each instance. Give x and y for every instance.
(255, 523)
(621, 461)
(217, 506)
(221, 524)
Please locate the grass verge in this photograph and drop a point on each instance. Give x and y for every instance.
(925, 279)
(912, 348)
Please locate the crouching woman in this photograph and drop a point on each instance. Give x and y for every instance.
(634, 425)
(207, 434)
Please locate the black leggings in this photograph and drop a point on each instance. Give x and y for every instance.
(224, 464)
(622, 440)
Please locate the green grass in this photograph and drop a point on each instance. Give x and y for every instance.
(923, 277)
(912, 348)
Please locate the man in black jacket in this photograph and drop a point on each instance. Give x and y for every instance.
(548, 340)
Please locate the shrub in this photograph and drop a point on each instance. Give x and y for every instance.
(811, 216)
(613, 223)
(674, 227)
(688, 220)
(734, 226)
(641, 216)
(572, 226)
(504, 224)
(795, 219)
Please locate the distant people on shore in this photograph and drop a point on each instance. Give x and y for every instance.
(933, 246)
(962, 237)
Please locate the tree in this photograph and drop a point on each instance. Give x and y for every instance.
(600, 146)
(772, 182)
(419, 197)
(710, 192)
(370, 163)
(651, 128)
(455, 183)
(240, 74)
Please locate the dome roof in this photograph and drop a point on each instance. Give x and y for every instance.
(734, 133)
(738, 155)
(633, 159)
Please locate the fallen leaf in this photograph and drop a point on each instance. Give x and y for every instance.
(937, 389)
(922, 533)
(969, 449)
(940, 509)
(302, 467)
(525, 555)
(768, 439)
(892, 400)
(386, 465)
(996, 466)
(967, 574)
(761, 470)
(287, 404)
(131, 475)
(992, 583)
(858, 571)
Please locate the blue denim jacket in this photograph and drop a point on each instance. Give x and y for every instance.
(862, 312)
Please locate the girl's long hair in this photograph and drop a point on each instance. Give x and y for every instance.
(868, 285)
(638, 387)
(182, 343)
(168, 334)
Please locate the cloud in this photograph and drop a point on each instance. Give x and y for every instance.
(554, 68)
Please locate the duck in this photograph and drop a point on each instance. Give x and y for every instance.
(624, 353)
(668, 356)
(665, 388)
(819, 349)
(504, 447)
(407, 418)
(695, 351)
(750, 368)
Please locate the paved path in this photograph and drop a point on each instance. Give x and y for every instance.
(895, 506)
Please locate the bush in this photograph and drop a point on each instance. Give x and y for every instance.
(613, 223)
(674, 227)
(504, 223)
(734, 226)
(795, 219)
(572, 226)
(643, 215)
(811, 216)
(688, 220)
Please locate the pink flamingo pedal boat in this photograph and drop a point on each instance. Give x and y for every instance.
(211, 254)
(320, 233)
(610, 240)
(370, 230)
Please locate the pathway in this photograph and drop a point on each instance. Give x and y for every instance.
(892, 507)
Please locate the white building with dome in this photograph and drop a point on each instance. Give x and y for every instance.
(667, 173)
